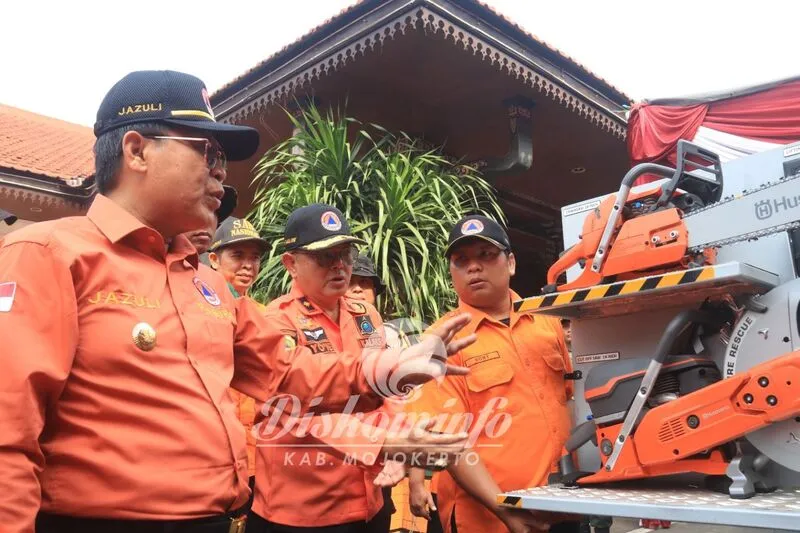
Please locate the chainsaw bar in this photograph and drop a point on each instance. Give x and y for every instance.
(772, 208)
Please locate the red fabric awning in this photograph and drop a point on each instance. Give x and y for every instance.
(769, 113)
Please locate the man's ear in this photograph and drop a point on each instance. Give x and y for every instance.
(213, 258)
(290, 264)
(512, 264)
(133, 152)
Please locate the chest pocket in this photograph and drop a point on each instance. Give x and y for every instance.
(555, 370)
(220, 339)
(490, 382)
(483, 377)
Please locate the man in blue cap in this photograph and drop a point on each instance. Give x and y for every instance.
(114, 411)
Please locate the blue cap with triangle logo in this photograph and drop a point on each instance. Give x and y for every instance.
(316, 227)
(478, 227)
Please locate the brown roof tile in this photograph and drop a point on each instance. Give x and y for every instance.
(46, 146)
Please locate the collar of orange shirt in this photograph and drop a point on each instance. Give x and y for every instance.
(479, 316)
(116, 223)
(310, 308)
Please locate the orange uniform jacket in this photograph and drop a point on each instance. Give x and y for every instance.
(298, 484)
(517, 377)
(94, 424)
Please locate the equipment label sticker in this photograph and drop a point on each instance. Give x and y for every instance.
(595, 357)
(580, 208)
(792, 150)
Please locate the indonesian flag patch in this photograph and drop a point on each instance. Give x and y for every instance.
(7, 291)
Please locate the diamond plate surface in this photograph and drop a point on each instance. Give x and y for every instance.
(777, 510)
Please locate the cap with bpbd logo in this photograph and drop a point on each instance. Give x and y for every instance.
(172, 98)
(317, 227)
(478, 227)
(235, 231)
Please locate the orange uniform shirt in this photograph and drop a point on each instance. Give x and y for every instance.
(298, 483)
(245, 406)
(516, 397)
(95, 423)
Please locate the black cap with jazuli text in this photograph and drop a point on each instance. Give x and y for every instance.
(172, 98)
(317, 227)
(477, 227)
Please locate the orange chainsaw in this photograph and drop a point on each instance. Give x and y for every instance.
(630, 235)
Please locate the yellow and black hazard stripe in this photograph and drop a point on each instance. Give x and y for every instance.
(511, 501)
(621, 288)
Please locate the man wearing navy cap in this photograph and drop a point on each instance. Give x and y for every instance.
(521, 358)
(336, 495)
(114, 411)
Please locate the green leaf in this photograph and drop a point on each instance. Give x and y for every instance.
(401, 200)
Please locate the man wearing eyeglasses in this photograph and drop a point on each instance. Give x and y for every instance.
(119, 350)
(335, 496)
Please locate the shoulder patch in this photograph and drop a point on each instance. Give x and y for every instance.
(365, 325)
(357, 308)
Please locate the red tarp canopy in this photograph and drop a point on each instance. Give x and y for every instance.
(731, 124)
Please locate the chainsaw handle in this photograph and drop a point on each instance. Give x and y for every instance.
(619, 203)
(675, 327)
(684, 152)
(570, 257)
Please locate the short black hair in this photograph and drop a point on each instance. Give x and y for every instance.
(108, 152)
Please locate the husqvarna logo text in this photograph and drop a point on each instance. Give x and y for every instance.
(767, 208)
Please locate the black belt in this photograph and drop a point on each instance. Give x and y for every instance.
(232, 522)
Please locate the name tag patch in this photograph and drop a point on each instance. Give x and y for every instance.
(472, 361)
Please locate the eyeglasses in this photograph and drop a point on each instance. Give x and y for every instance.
(328, 258)
(214, 155)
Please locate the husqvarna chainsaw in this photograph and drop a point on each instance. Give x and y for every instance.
(677, 410)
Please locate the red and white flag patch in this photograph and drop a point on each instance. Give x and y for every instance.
(7, 291)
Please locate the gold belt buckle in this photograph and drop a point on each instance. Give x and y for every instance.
(238, 524)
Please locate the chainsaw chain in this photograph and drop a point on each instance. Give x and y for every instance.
(753, 235)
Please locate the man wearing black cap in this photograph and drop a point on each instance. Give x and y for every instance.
(336, 496)
(520, 359)
(365, 284)
(236, 254)
(114, 412)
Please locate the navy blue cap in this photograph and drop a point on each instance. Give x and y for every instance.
(317, 227)
(172, 98)
(477, 227)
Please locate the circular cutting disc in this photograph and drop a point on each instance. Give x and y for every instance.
(760, 337)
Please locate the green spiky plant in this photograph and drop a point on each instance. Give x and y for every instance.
(401, 199)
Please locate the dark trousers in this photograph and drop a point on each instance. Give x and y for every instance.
(46, 523)
(256, 524)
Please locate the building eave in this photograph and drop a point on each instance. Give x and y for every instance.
(370, 24)
(54, 187)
